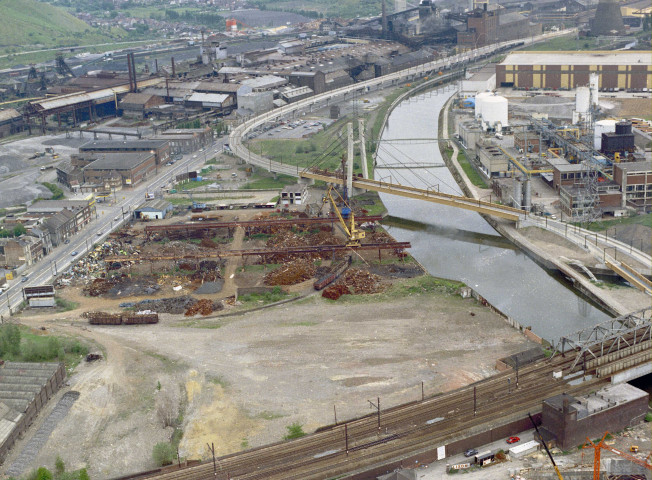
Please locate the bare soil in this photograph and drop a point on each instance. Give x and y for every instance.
(242, 380)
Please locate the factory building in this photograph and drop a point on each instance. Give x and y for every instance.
(131, 168)
(626, 69)
(635, 179)
(568, 420)
(160, 148)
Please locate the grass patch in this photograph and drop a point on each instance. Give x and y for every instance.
(66, 305)
(275, 295)
(192, 185)
(269, 415)
(299, 324)
(262, 267)
(471, 172)
(569, 42)
(57, 193)
(20, 344)
(602, 225)
(259, 182)
(221, 381)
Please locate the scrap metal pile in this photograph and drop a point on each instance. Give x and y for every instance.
(291, 273)
(290, 238)
(201, 307)
(354, 282)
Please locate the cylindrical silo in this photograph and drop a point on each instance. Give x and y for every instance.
(582, 99)
(602, 126)
(494, 110)
(517, 194)
(479, 103)
(527, 194)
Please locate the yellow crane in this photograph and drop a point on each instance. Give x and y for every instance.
(348, 224)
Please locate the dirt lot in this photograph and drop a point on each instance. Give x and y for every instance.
(243, 379)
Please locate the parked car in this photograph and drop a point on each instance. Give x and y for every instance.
(74, 253)
(24, 279)
(67, 241)
(470, 452)
(99, 234)
(511, 440)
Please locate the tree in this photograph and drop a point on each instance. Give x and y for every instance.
(43, 474)
(83, 475)
(163, 454)
(19, 230)
(9, 339)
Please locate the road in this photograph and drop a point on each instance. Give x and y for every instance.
(105, 222)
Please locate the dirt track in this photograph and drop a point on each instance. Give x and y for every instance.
(246, 378)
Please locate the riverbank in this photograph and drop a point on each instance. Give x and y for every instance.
(545, 253)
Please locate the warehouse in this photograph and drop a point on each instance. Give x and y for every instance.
(160, 148)
(25, 388)
(154, 210)
(132, 168)
(626, 69)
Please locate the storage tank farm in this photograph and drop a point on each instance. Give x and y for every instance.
(602, 126)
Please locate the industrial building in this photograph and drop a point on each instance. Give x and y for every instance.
(130, 168)
(626, 69)
(153, 210)
(25, 388)
(160, 148)
(568, 421)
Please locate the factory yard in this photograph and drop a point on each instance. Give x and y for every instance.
(242, 379)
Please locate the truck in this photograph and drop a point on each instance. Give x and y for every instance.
(47, 167)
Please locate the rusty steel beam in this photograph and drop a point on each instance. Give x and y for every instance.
(254, 223)
(260, 251)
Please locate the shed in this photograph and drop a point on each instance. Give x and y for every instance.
(211, 100)
(294, 195)
(154, 210)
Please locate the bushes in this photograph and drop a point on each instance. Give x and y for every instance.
(34, 348)
(9, 340)
(163, 454)
(294, 431)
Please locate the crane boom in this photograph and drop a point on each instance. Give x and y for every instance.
(354, 235)
(598, 447)
(546, 447)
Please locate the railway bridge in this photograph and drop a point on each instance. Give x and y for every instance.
(436, 427)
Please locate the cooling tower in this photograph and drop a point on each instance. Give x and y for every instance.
(608, 19)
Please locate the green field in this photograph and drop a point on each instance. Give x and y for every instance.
(645, 220)
(29, 25)
(571, 42)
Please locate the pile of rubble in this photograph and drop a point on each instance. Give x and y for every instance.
(291, 273)
(379, 237)
(354, 282)
(173, 305)
(361, 282)
(202, 307)
(121, 286)
(335, 291)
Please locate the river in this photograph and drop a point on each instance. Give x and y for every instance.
(459, 244)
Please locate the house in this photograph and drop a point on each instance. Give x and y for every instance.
(64, 217)
(25, 249)
(294, 195)
(154, 210)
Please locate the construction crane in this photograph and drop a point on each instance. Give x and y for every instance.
(546, 447)
(195, 205)
(601, 445)
(344, 214)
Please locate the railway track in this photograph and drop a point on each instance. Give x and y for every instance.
(404, 431)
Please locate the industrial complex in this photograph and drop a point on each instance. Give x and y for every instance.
(300, 246)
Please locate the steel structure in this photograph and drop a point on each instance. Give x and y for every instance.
(606, 337)
(263, 252)
(253, 223)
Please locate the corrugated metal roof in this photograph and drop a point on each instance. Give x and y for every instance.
(9, 114)
(624, 57)
(208, 97)
(74, 98)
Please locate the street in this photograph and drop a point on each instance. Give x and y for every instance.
(122, 207)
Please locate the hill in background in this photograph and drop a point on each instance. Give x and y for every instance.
(30, 22)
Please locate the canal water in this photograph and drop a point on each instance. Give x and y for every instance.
(458, 244)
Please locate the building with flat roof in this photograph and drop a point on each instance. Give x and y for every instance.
(624, 69)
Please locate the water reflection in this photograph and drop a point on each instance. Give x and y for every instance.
(459, 244)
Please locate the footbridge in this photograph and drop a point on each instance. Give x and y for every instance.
(466, 203)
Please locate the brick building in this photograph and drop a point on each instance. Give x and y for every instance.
(635, 180)
(22, 250)
(160, 148)
(626, 69)
(131, 168)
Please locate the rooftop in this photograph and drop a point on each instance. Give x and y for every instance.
(208, 97)
(623, 57)
(124, 145)
(119, 161)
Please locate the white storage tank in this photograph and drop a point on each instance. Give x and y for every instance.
(494, 110)
(478, 102)
(593, 85)
(602, 126)
(582, 99)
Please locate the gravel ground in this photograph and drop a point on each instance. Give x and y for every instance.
(244, 379)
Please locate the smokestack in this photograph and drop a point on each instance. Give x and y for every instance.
(156, 65)
(173, 69)
(384, 20)
(131, 73)
(133, 68)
